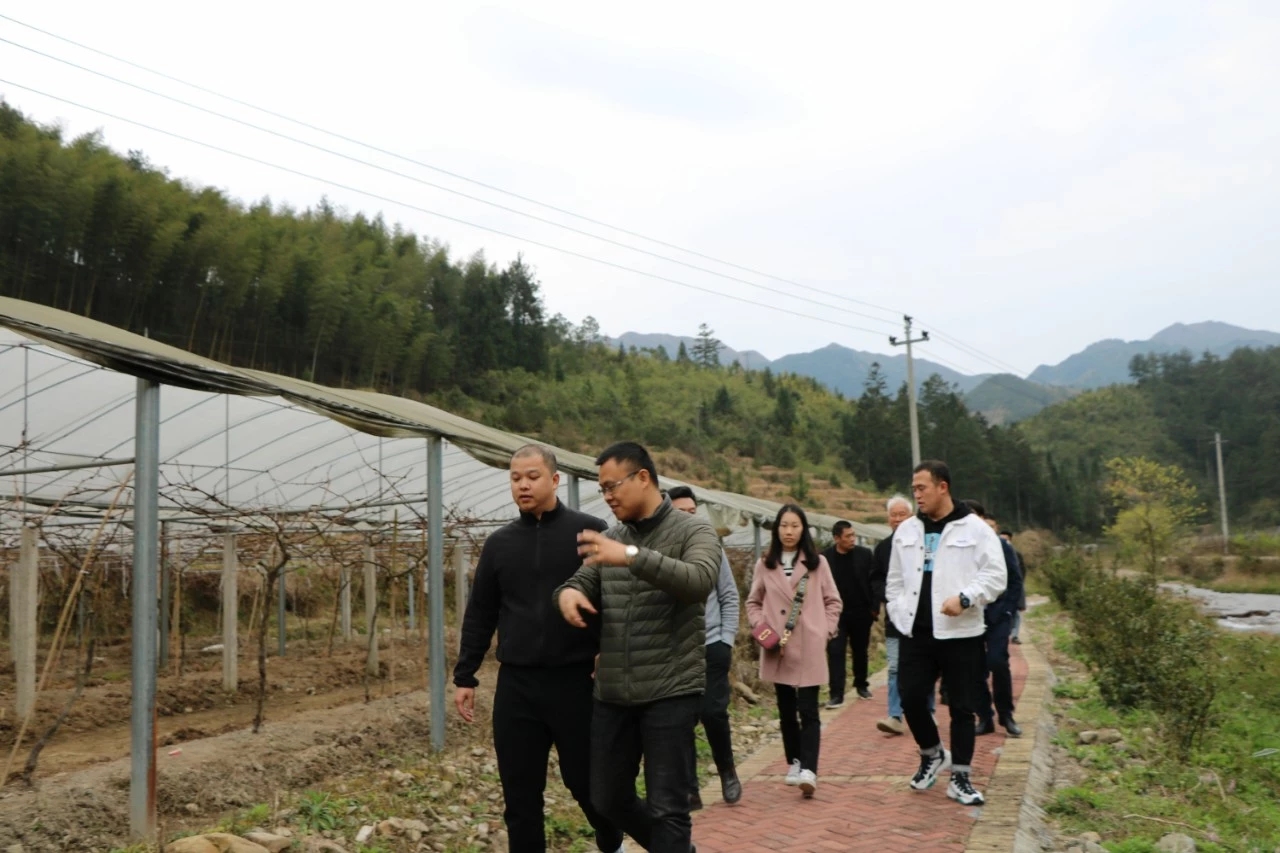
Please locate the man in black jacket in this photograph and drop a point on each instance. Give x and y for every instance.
(852, 567)
(998, 616)
(543, 696)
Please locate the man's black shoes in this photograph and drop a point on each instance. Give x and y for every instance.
(864, 693)
(1011, 726)
(985, 726)
(730, 787)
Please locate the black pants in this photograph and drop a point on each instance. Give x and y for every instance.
(661, 733)
(997, 660)
(854, 630)
(533, 708)
(715, 709)
(801, 728)
(962, 664)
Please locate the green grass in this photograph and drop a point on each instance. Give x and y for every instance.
(1135, 792)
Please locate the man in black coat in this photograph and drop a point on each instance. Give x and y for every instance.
(996, 701)
(543, 696)
(852, 567)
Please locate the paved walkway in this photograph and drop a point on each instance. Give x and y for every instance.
(863, 802)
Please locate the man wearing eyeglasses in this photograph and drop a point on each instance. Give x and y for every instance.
(648, 578)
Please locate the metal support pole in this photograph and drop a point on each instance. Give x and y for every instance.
(166, 594)
(142, 782)
(1222, 492)
(282, 602)
(575, 499)
(435, 551)
(230, 614)
(755, 544)
(344, 603)
(911, 385)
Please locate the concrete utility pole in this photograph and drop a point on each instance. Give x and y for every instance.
(1222, 491)
(911, 384)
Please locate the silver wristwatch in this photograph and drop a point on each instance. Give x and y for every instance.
(631, 552)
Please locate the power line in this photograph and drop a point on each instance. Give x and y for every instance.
(432, 184)
(973, 351)
(430, 212)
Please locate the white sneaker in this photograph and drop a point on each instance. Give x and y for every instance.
(930, 767)
(808, 782)
(962, 791)
(793, 774)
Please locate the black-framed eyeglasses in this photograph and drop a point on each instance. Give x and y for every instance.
(607, 489)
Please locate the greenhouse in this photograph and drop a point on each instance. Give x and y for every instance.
(128, 456)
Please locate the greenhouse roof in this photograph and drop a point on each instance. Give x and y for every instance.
(237, 441)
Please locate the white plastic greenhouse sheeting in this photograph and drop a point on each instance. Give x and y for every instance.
(218, 451)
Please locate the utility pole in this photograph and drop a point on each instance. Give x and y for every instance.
(911, 384)
(1222, 490)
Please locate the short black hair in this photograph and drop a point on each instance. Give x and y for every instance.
(840, 527)
(976, 508)
(678, 492)
(630, 453)
(1008, 533)
(548, 455)
(937, 469)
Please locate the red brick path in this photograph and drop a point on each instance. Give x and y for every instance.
(863, 802)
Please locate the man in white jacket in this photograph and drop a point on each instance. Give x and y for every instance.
(946, 565)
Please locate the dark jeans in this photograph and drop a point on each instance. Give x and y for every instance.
(801, 728)
(714, 712)
(533, 708)
(961, 663)
(854, 630)
(997, 641)
(661, 733)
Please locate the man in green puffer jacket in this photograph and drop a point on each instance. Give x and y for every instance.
(648, 578)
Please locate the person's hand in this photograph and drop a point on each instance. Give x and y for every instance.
(596, 666)
(572, 604)
(596, 549)
(951, 607)
(464, 699)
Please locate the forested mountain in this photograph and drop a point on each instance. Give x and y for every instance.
(1005, 398)
(750, 359)
(843, 369)
(350, 301)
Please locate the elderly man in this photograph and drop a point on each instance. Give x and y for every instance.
(722, 628)
(899, 509)
(648, 578)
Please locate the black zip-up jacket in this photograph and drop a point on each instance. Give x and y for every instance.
(1007, 604)
(882, 552)
(520, 565)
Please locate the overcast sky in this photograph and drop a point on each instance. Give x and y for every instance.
(1025, 177)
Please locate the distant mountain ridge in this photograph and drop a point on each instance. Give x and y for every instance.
(1003, 398)
(1107, 362)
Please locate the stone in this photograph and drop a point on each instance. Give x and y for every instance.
(390, 827)
(1087, 737)
(312, 844)
(15, 848)
(365, 833)
(191, 808)
(1176, 842)
(225, 842)
(1091, 836)
(194, 844)
(283, 832)
(274, 843)
(1110, 736)
(414, 825)
(401, 778)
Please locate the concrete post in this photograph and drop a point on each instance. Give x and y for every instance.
(146, 541)
(371, 607)
(230, 614)
(344, 603)
(435, 584)
(24, 599)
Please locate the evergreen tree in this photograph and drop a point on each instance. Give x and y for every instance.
(706, 349)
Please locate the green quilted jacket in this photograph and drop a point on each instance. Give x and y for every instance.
(652, 612)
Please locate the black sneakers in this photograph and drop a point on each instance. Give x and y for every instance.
(1011, 726)
(864, 693)
(961, 790)
(930, 767)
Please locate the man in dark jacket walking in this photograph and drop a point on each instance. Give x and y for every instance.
(722, 627)
(648, 578)
(543, 696)
(853, 568)
(996, 701)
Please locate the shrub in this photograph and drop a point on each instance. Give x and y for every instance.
(1068, 571)
(1149, 650)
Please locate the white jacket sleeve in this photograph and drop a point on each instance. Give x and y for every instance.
(992, 574)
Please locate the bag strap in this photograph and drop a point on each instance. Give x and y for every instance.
(796, 604)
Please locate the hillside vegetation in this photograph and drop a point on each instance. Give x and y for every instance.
(347, 300)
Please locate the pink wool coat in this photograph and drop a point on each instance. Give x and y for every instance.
(805, 662)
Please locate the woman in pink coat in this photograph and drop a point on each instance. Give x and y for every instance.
(799, 668)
